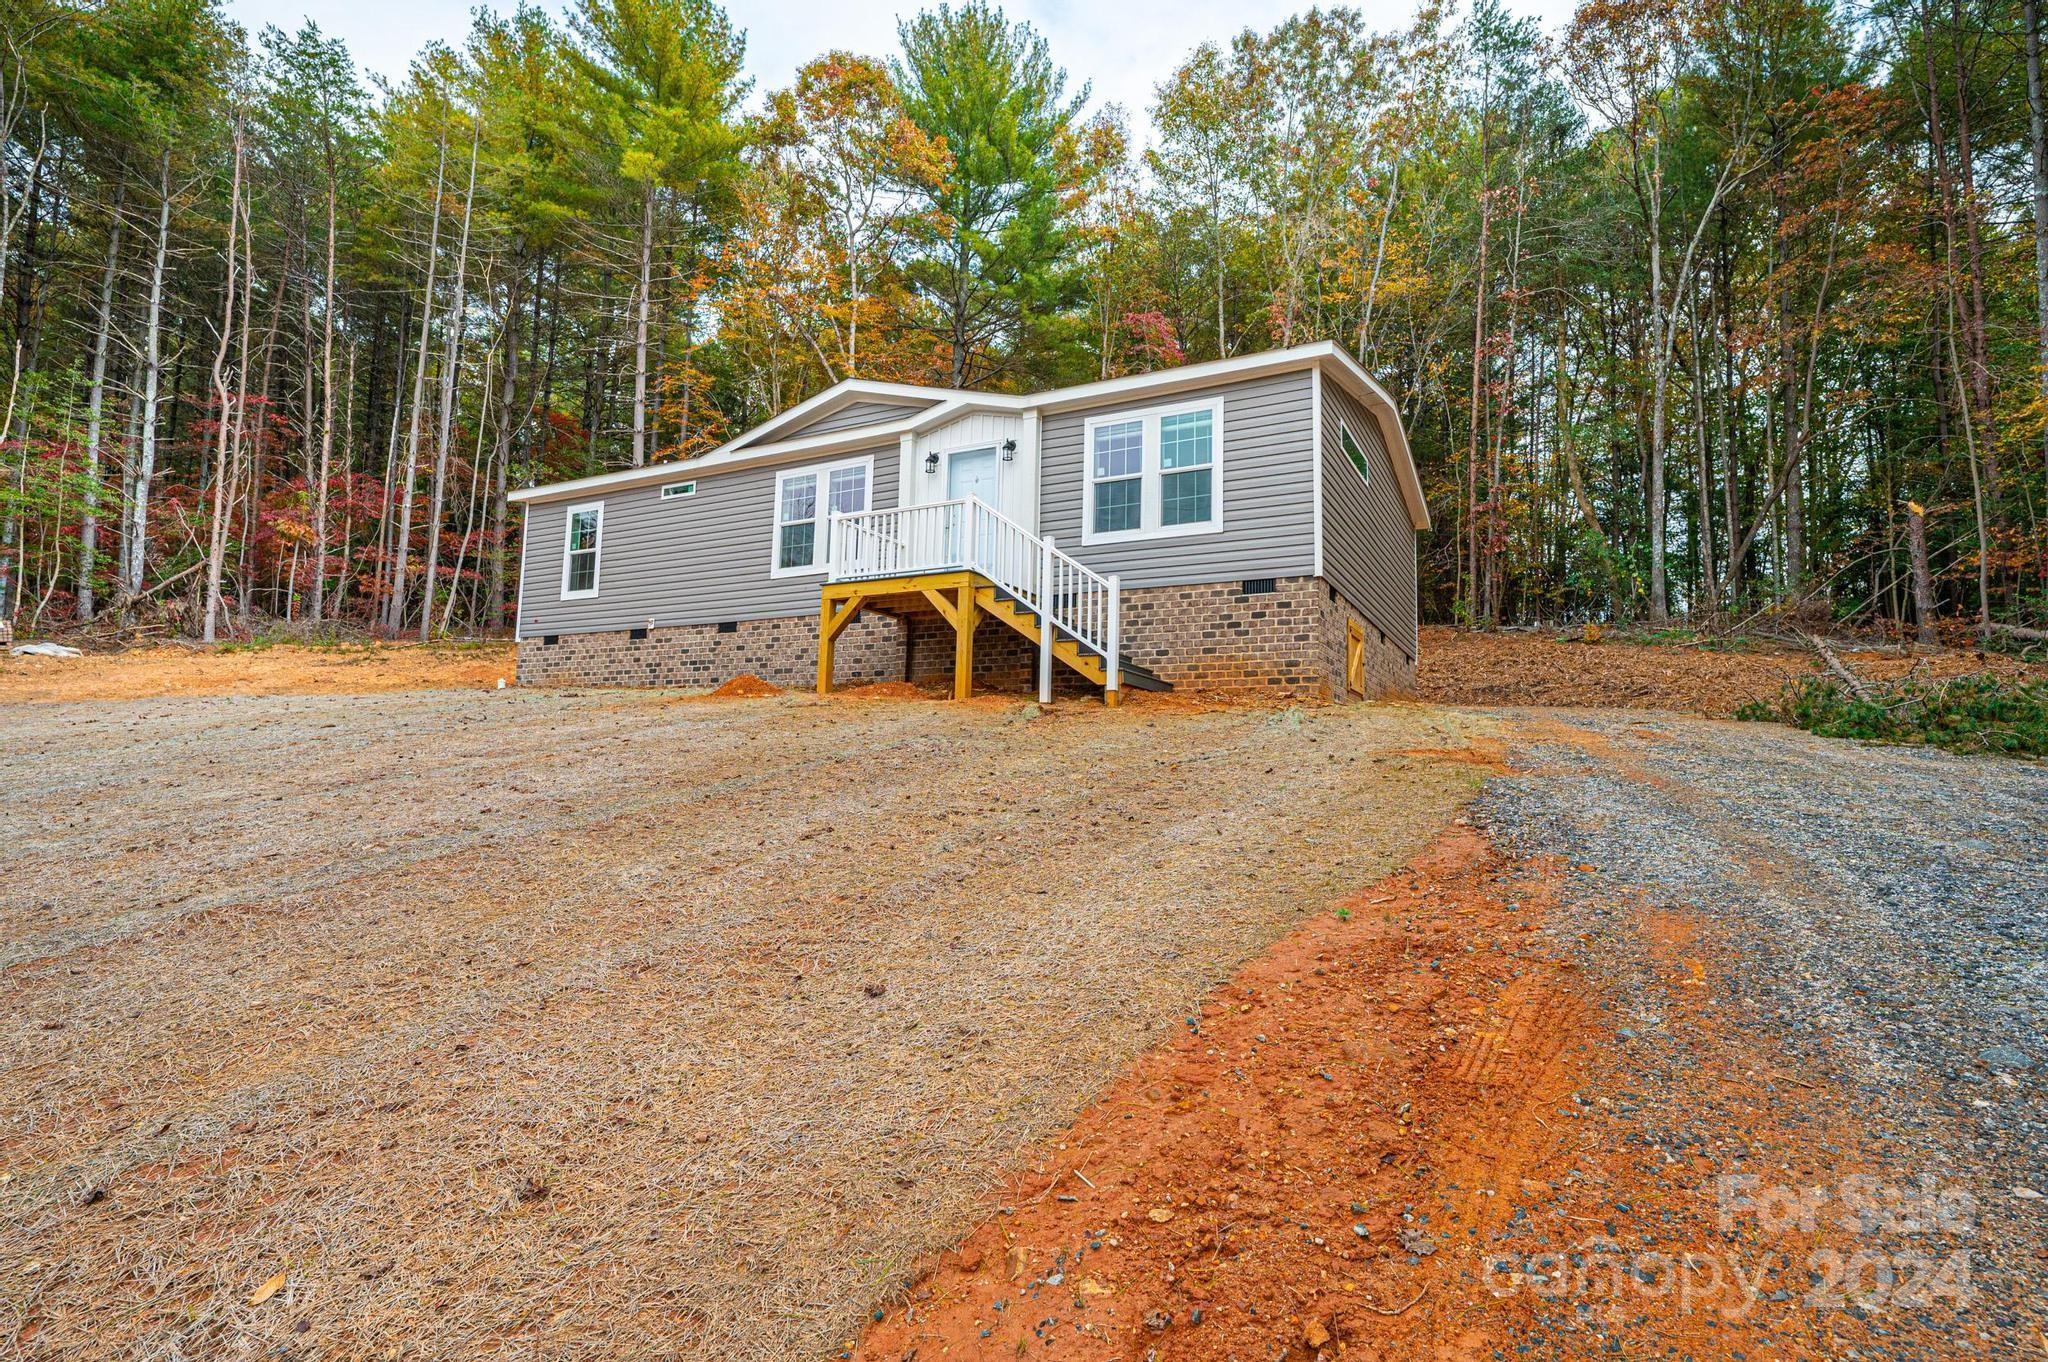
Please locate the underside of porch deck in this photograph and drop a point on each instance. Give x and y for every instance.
(962, 600)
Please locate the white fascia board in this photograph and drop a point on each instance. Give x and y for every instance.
(844, 393)
(1360, 384)
(722, 459)
(1315, 445)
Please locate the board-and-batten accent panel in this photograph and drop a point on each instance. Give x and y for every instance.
(856, 414)
(1268, 478)
(700, 559)
(1016, 476)
(1368, 540)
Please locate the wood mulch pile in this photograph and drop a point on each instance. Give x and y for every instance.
(1526, 667)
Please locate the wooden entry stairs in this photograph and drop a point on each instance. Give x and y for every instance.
(965, 560)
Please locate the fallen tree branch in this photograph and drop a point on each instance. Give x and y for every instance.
(2037, 635)
(1857, 686)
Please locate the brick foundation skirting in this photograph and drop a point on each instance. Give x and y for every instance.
(1288, 640)
(783, 651)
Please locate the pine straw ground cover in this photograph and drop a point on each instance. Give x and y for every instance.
(1532, 667)
(609, 1024)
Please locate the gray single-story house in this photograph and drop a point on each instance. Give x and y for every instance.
(1249, 522)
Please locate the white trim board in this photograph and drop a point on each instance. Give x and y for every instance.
(821, 513)
(1151, 474)
(596, 550)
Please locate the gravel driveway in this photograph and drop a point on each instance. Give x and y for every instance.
(1881, 922)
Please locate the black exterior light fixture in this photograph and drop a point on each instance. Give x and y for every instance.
(931, 462)
(1009, 450)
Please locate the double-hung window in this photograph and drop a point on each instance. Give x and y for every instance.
(580, 541)
(806, 499)
(1153, 474)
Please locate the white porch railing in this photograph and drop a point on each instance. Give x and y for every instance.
(971, 536)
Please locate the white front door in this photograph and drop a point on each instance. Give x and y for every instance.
(972, 473)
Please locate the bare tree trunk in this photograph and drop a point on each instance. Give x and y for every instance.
(1923, 581)
(224, 472)
(1478, 418)
(1976, 479)
(381, 583)
(13, 103)
(640, 341)
(508, 397)
(319, 606)
(450, 368)
(152, 372)
(348, 469)
(2038, 143)
(1379, 258)
(252, 517)
(1216, 218)
(394, 617)
(1973, 321)
(95, 410)
(478, 470)
(1660, 371)
(1709, 588)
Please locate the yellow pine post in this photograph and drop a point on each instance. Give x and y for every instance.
(968, 616)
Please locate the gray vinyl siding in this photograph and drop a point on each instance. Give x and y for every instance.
(1368, 540)
(1268, 489)
(701, 559)
(856, 414)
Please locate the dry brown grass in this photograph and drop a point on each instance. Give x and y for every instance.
(599, 1025)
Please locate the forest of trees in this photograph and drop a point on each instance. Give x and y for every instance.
(1691, 310)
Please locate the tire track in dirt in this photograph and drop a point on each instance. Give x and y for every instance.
(1408, 1131)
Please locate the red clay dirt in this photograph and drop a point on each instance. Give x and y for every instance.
(1362, 1147)
(746, 686)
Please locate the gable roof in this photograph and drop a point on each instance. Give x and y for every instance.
(928, 408)
(845, 393)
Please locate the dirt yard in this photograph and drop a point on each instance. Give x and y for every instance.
(612, 1024)
(465, 1023)
(341, 669)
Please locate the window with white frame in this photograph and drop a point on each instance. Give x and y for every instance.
(580, 541)
(1354, 451)
(805, 501)
(1153, 474)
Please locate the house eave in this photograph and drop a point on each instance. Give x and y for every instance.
(949, 405)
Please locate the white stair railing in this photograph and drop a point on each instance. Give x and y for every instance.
(970, 535)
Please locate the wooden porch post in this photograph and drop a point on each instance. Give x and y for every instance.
(967, 616)
(825, 641)
(833, 617)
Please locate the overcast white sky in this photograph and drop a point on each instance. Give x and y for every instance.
(1121, 48)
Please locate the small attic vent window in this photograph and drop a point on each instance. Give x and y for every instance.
(670, 491)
